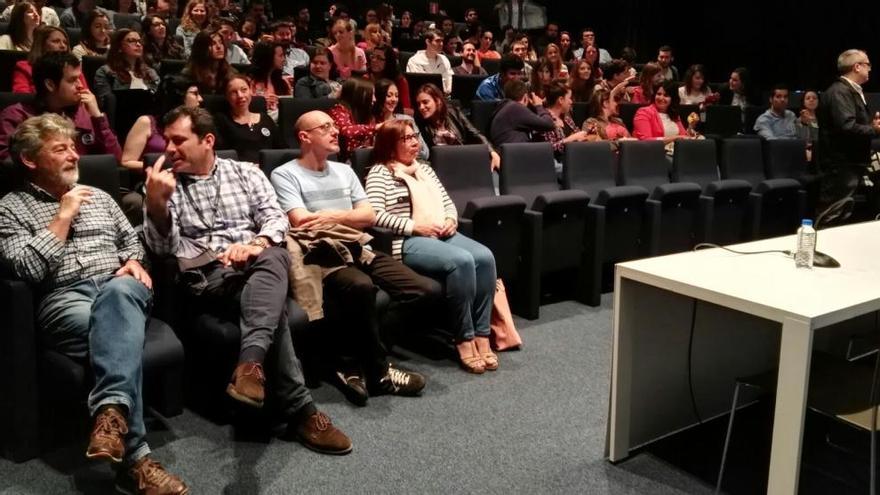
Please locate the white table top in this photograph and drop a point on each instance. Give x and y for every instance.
(769, 285)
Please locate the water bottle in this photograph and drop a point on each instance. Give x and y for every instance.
(806, 245)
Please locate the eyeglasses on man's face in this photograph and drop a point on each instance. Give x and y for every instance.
(324, 128)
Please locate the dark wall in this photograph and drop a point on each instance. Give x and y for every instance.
(786, 40)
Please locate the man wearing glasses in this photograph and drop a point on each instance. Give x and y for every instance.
(318, 194)
(846, 128)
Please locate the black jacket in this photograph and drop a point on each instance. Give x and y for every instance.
(457, 123)
(515, 123)
(845, 130)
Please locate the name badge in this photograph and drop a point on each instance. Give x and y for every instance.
(265, 131)
(87, 138)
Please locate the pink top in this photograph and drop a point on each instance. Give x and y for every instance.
(647, 124)
(638, 96)
(360, 61)
(616, 131)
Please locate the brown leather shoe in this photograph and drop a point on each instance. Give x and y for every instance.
(318, 433)
(247, 384)
(148, 477)
(107, 441)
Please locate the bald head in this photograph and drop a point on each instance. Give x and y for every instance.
(311, 119)
(318, 136)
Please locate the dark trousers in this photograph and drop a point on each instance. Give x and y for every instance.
(846, 181)
(260, 291)
(350, 294)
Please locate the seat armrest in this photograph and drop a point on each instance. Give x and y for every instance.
(492, 202)
(570, 197)
(619, 192)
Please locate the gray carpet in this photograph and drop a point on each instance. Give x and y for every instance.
(535, 426)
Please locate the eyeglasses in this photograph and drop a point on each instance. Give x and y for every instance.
(409, 137)
(324, 128)
(157, 23)
(134, 41)
(865, 63)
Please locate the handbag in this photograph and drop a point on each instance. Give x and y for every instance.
(504, 336)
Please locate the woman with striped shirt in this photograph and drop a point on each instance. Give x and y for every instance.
(409, 200)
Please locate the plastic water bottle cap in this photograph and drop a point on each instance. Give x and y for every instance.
(807, 222)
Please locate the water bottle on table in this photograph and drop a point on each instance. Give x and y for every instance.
(806, 245)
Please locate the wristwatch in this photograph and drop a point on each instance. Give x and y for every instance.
(260, 241)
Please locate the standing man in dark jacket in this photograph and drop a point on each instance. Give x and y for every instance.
(846, 128)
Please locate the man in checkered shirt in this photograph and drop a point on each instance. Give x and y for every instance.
(221, 219)
(74, 243)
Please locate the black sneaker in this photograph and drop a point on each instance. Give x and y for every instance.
(399, 382)
(352, 386)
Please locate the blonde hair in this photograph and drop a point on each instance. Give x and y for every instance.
(32, 133)
(187, 22)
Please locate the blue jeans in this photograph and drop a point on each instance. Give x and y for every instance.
(104, 318)
(468, 270)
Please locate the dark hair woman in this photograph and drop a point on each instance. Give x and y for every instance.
(125, 67)
(660, 119)
(95, 40)
(24, 20)
(158, 43)
(267, 78)
(388, 107)
(442, 124)
(207, 67)
(46, 39)
(353, 116)
(383, 64)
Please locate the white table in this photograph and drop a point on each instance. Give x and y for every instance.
(650, 397)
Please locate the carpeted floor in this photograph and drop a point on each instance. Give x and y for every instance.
(535, 426)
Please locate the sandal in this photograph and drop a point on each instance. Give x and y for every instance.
(472, 363)
(490, 359)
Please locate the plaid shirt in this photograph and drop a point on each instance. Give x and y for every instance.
(100, 240)
(232, 205)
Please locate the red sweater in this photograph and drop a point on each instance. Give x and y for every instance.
(647, 124)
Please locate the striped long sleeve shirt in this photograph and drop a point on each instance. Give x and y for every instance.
(390, 199)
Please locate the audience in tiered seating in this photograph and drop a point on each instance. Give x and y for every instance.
(388, 107)
(24, 20)
(322, 80)
(553, 55)
(739, 91)
(235, 54)
(46, 39)
(410, 200)
(77, 15)
(588, 39)
(778, 122)
(487, 47)
(294, 56)
(807, 115)
(95, 38)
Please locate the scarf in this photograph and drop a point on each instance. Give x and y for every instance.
(424, 194)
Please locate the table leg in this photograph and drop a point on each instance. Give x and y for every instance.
(617, 439)
(791, 401)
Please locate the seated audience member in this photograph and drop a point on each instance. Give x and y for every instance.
(410, 200)
(582, 81)
(353, 116)
(161, 8)
(388, 107)
(603, 120)
(443, 124)
(521, 117)
(242, 130)
(373, 38)
(146, 136)
(404, 30)
(322, 79)
(668, 71)
(492, 88)
(383, 65)
(551, 35)
(529, 56)
(649, 78)
(347, 56)
(123, 6)
(807, 116)
(469, 63)
(452, 45)
(195, 19)
(57, 78)
(46, 39)
(518, 49)
(558, 102)
(696, 90)
(554, 56)
(248, 30)
(235, 54)
(778, 122)
(48, 16)
(487, 47)
(77, 15)
(319, 194)
(238, 261)
(739, 89)
(542, 76)
(207, 67)
(24, 20)
(95, 38)
(267, 76)
(616, 78)
(565, 50)
(125, 67)
(94, 292)
(159, 44)
(660, 119)
(431, 60)
(283, 32)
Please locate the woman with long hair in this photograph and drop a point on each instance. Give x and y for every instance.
(207, 67)
(374, 38)
(267, 78)
(353, 116)
(95, 40)
(383, 65)
(125, 67)
(241, 129)
(542, 76)
(444, 124)
(660, 119)
(739, 89)
(695, 90)
(195, 19)
(46, 39)
(145, 136)
(566, 51)
(24, 20)
(158, 43)
(347, 56)
(650, 77)
(807, 117)
(553, 54)
(582, 81)
(410, 200)
(388, 107)
(603, 118)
